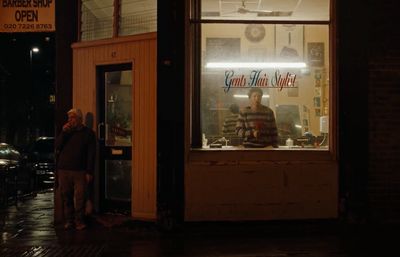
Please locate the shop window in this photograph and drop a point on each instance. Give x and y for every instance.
(96, 19)
(267, 10)
(262, 84)
(137, 17)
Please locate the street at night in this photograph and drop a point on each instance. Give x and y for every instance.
(27, 88)
(205, 128)
(27, 230)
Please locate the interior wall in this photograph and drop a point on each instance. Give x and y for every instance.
(307, 88)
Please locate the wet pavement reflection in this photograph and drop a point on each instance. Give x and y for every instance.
(27, 230)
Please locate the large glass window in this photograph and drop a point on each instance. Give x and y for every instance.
(135, 17)
(268, 10)
(96, 19)
(264, 85)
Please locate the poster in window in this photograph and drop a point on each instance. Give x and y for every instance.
(315, 54)
(317, 102)
(317, 91)
(255, 32)
(257, 54)
(289, 42)
(222, 49)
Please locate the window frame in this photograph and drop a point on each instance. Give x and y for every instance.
(115, 23)
(193, 22)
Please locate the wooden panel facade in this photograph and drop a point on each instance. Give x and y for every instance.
(261, 191)
(140, 50)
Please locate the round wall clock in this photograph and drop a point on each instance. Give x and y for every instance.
(255, 32)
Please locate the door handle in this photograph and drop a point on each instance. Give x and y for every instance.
(100, 131)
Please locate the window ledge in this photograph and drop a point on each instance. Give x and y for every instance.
(240, 154)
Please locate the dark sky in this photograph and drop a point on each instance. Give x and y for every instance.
(15, 49)
(25, 90)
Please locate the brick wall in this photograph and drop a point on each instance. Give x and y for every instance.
(352, 67)
(384, 112)
(369, 109)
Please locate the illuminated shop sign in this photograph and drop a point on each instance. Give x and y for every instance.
(27, 15)
(259, 78)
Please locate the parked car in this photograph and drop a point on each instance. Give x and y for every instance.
(10, 166)
(40, 162)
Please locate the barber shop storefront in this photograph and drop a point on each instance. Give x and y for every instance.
(179, 127)
(285, 49)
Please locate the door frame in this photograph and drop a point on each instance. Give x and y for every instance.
(105, 152)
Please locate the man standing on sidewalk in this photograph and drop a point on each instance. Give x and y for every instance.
(76, 151)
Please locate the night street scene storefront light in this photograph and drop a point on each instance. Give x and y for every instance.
(32, 50)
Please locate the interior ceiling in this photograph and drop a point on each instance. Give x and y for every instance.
(228, 9)
(266, 9)
(105, 8)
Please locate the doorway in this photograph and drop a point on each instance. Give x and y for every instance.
(115, 137)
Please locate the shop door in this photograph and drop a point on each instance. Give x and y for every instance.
(115, 137)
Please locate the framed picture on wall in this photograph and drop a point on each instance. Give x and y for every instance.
(218, 49)
(317, 91)
(255, 32)
(289, 42)
(315, 54)
(317, 102)
(257, 54)
(306, 118)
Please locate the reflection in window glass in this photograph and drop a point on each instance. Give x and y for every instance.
(97, 19)
(8, 153)
(118, 180)
(137, 16)
(288, 67)
(118, 108)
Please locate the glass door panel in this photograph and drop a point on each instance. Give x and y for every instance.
(118, 108)
(117, 174)
(115, 137)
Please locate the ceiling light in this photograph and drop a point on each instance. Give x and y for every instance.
(252, 65)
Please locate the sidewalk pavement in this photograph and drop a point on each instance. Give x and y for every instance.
(27, 230)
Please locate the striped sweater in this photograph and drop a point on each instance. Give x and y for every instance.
(229, 127)
(262, 120)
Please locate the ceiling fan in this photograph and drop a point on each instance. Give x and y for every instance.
(243, 9)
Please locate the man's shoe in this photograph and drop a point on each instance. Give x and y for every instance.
(68, 225)
(80, 226)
